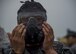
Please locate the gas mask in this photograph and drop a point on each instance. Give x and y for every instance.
(34, 35)
(33, 14)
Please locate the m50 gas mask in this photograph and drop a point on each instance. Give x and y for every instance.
(34, 35)
(33, 14)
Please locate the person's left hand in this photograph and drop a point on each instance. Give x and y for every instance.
(49, 39)
(49, 36)
(51, 51)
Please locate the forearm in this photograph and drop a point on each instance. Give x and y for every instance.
(14, 52)
(50, 51)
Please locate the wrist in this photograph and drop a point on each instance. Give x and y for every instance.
(48, 48)
(17, 52)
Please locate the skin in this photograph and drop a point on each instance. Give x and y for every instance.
(49, 36)
(48, 41)
(51, 51)
(18, 43)
(71, 41)
(17, 39)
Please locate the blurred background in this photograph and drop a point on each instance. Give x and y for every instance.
(61, 14)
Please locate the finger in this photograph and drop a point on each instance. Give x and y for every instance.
(47, 30)
(16, 31)
(49, 27)
(13, 32)
(21, 29)
(10, 37)
(23, 34)
(18, 28)
(45, 33)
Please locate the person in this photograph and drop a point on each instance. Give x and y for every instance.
(4, 42)
(71, 38)
(34, 14)
(63, 40)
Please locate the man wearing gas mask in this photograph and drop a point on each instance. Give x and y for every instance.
(33, 35)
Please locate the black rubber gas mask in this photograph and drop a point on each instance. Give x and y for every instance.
(34, 35)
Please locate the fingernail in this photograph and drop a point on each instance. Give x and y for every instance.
(21, 24)
(42, 24)
(44, 21)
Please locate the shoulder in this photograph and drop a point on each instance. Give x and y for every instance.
(74, 46)
(6, 49)
(60, 48)
(73, 49)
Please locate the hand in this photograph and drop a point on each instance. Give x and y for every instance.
(17, 40)
(51, 51)
(49, 36)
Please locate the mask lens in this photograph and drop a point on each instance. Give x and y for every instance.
(26, 19)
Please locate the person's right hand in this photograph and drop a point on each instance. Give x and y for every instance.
(17, 40)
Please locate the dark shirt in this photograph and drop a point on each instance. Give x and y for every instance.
(73, 49)
(60, 49)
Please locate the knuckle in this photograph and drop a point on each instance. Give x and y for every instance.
(19, 31)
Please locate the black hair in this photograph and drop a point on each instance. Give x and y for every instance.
(71, 33)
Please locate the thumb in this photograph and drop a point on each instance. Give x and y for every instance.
(9, 35)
